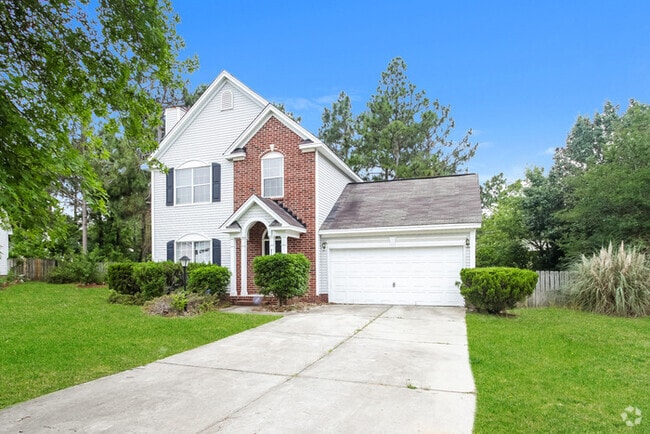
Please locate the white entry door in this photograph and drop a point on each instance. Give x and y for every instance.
(414, 275)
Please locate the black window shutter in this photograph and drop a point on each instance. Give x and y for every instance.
(216, 251)
(216, 182)
(170, 250)
(170, 187)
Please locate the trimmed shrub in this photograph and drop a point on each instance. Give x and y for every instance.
(126, 299)
(151, 279)
(282, 275)
(612, 282)
(173, 274)
(76, 269)
(495, 289)
(120, 278)
(208, 279)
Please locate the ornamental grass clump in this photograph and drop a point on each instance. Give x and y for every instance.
(612, 282)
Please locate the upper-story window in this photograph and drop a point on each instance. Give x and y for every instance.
(273, 175)
(193, 185)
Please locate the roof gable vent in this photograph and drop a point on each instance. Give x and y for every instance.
(226, 100)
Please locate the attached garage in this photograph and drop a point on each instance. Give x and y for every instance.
(372, 260)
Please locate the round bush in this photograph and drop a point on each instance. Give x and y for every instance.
(211, 279)
(120, 278)
(282, 275)
(495, 289)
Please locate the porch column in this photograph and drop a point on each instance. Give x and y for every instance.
(285, 249)
(244, 264)
(271, 242)
(233, 266)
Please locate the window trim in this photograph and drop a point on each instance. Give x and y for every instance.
(178, 255)
(273, 155)
(265, 239)
(192, 186)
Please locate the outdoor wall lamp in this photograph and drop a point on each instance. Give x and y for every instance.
(323, 245)
(184, 261)
(467, 242)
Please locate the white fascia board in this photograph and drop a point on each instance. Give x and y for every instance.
(269, 111)
(200, 104)
(330, 233)
(254, 200)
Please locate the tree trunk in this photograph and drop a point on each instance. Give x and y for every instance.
(84, 227)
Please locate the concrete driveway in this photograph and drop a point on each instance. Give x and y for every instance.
(335, 368)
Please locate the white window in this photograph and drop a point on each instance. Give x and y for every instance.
(273, 175)
(193, 185)
(197, 251)
(266, 249)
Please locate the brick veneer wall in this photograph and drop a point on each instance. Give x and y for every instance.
(299, 192)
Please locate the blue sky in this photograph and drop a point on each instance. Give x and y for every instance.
(517, 73)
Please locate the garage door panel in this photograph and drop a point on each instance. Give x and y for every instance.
(423, 275)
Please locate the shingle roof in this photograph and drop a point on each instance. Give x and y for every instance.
(408, 202)
(281, 212)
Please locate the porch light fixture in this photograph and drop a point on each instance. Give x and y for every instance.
(467, 242)
(323, 245)
(184, 261)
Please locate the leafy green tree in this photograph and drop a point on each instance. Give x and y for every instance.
(609, 201)
(541, 200)
(280, 106)
(67, 65)
(402, 134)
(491, 191)
(502, 240)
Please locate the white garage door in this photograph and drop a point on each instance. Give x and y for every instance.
(420, 275)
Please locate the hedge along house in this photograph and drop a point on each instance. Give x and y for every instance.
(245, 180)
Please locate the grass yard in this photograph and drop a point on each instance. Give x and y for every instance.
(556, 370)
(55, 336)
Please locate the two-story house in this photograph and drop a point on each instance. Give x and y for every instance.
(243, 180)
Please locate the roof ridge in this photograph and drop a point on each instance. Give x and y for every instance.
(380, 181)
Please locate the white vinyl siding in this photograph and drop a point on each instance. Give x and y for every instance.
(273, 175)
(4, 251)
(192, 185)
(330, 182)
(197, 251)
(205, 139)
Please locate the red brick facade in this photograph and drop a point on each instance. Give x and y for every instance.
(299, 193)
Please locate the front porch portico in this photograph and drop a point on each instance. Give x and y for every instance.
(258, 221)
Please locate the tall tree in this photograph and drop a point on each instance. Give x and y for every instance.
(339, 129)
(609, 201)
(491, 191)
(100, 66)
(405, 135)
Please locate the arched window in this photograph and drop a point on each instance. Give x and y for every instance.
(273, 175)
(266, 248)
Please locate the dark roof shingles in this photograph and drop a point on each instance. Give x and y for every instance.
(409, 202)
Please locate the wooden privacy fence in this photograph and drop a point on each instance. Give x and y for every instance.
(31, 268)
(37, 269)
(548, 287)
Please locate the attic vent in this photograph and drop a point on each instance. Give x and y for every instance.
(226, 100)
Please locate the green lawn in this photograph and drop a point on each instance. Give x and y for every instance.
(55, 336)
(556, 370)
